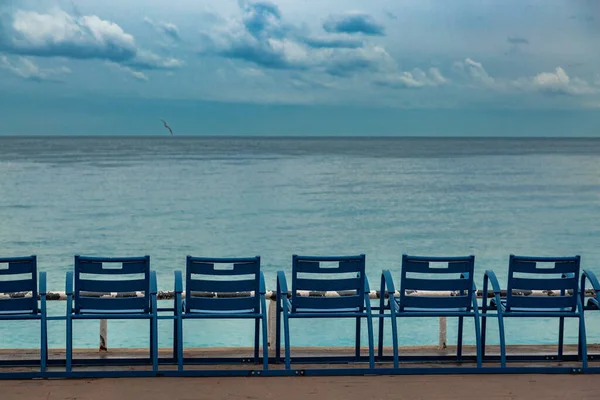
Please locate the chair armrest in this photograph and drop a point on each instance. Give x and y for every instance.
(262, 287)
(590, 276)
(491, 276)
(69, 284)
(42, 279)
(387, 283)
(178, 282)
(367, 287)
(282, 287)
(153, 288)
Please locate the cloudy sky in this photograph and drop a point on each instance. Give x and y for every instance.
(293, 67)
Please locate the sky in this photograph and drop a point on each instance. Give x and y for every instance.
(300, 67)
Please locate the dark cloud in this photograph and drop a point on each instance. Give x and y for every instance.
(353, 23)
(517, 40)
(332, 42)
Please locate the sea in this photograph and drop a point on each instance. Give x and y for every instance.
(169, 197)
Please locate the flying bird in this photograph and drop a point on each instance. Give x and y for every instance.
(167, 126)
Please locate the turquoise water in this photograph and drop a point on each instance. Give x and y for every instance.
(169, 197)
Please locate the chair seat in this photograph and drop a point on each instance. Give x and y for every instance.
(408, 310)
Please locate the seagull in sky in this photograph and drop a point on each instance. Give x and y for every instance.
(167, 126)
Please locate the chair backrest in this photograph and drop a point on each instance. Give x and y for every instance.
(235, 281)
(123, 275)
(19, 274)
(559, 274)
(453, 275)
(342, 274)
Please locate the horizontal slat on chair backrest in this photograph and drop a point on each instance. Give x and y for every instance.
(19, 274)
(451, 274)
(329, 303)
(438, 284)
(222, 275)
(436, 302)
(524, 274)
(21, 285)
(17, 265)
(206, 285)
(130, 285)
(310, 273)
(455, 267)
(329, 284)
(315, 267)
(555, 284)
(222, 304)
(97, 267)
(25, 304)
(111, 304)
(122, 274)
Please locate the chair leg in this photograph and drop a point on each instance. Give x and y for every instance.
(256, 338)
(265, 336)
(69, 345)
(175, 342)
(278, 333)
(371, 340)
(154, 342)
(478, 343)
(459, 339)
(582, 342)
(483, 331)
(380, 338)
(502, 341)
(286, 331)
(357, 340)
(561, 335)
(179, 322)
(43, 345)
(395, 339)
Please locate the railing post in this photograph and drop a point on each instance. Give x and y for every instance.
(103, 336)
(272, 315)
(442, 333)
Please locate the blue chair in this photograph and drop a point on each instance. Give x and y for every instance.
(240, 294)
(525, 274)
(417, 275)
(102, 275)
(308, 273)
(25, 308)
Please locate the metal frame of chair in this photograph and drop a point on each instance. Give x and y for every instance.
(252, 306)
(461, 303)
(356, 305)
(568, 304)
(82, 306)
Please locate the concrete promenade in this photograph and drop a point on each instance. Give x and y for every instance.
(453, 387)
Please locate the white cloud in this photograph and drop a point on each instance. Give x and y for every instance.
(559, 82)
(58, 34)
(135, 74)
(24, 68)
(415, 79)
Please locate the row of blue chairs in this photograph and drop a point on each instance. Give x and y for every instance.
(429, 287)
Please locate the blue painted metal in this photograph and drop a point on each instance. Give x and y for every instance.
(308, 273)
(204, 274)
(525, 273)
(90, 275)
(25, 308)
(458, 273)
